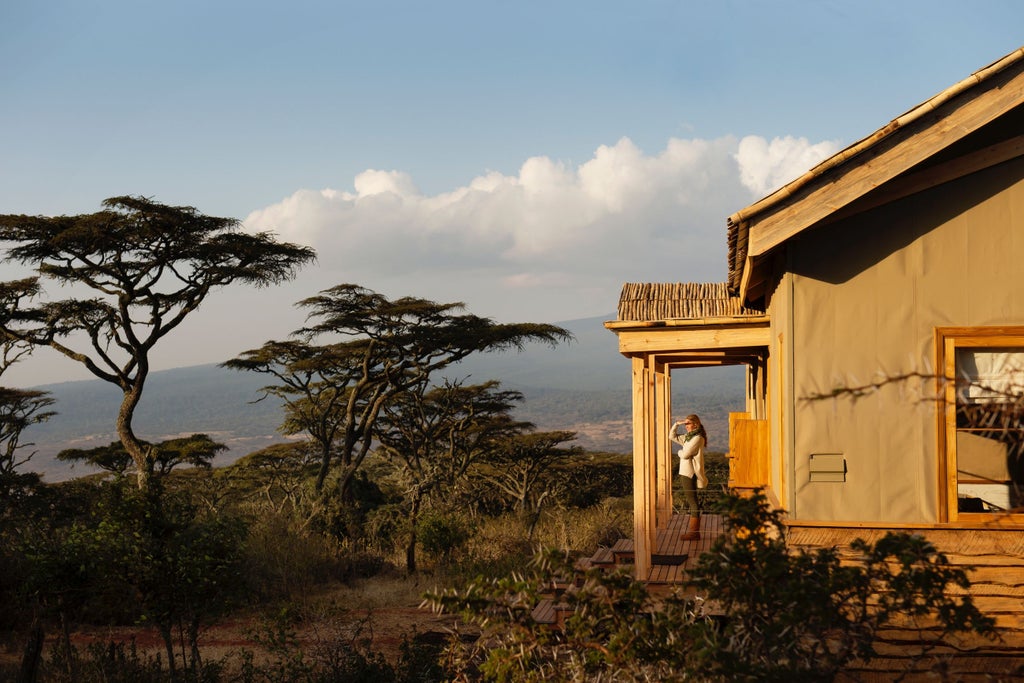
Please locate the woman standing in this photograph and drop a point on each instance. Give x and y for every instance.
(691, 467)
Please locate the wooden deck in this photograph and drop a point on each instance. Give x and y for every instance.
(671, 549)
(671, 559)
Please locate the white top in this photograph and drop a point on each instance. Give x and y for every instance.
(691, 455)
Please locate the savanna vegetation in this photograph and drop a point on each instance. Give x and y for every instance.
(396, 475)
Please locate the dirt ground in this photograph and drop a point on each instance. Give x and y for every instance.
(321, 621)
(385, 626)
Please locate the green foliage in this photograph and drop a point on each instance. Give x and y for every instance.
(19, 410)
(146, 266)
(284, 561)
(781, 615)
(137, 556)
(523, 470)
(804, 615)
(114, 662)
(196, 450)
(188, 569)
(78, 566)
(616, 631)
(442, 535)
(588, 478)
(335, 392)
(119, 662)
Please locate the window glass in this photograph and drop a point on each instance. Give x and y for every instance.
(989, 429)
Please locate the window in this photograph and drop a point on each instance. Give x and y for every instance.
(981, 425)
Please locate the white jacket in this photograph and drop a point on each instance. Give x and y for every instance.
(691, 455)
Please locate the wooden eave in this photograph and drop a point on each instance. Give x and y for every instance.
(726, 340)
(895, 157)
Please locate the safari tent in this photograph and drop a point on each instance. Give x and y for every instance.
(877, 304)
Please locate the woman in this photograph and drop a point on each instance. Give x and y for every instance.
(691, 467)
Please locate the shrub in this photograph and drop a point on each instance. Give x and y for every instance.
(804, 615)
(283, 561)
(784, 615)
(442, 535)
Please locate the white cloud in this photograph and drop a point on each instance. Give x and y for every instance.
(555, 241)
(766, 166)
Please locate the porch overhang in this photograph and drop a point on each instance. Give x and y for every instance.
(706, 341)
(656, 347)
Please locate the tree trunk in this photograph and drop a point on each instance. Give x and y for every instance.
(168, 637)
(410, 550)
(33, 653)
(139, 452)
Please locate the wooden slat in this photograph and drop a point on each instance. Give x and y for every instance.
(678, 339)
(622, 551)
(602, 556)
(544, 612)
(748, 452)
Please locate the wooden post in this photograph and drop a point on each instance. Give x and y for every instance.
(643, 467)
(661, 417)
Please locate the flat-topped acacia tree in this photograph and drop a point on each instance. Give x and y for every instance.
(376, 349)
(148, 265)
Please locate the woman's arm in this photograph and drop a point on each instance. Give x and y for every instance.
(674, 435)
(691, 447)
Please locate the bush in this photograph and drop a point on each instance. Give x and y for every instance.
(441, 536)
(780, 615)
(587, 480)
(805, 615)
(282, 561)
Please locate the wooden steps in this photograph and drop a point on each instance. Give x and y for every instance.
(671, 559)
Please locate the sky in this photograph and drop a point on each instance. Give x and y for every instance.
(524, 158)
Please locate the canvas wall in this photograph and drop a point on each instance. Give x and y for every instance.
(865, 296)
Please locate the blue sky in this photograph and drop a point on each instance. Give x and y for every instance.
(524, 157)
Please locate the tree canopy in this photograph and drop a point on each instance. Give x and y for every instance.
(137, 268)
(376, 348)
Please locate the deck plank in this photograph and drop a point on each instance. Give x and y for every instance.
(670, 548)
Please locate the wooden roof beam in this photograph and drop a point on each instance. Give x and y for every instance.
(680, 340)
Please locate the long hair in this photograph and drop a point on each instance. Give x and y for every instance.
(699, 431)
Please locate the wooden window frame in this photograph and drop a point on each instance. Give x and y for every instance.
(947, 341)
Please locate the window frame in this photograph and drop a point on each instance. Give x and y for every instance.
(947, 341)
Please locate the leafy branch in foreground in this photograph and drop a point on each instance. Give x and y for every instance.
(804, 615)
(778, 613)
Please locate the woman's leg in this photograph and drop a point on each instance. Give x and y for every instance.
(689, 488)
(690, 493)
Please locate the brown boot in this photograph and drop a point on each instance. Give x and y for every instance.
(693, 531)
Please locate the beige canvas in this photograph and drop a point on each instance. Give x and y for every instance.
(867, 296)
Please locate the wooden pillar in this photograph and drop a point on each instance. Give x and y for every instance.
(643, 467)
(661, 417)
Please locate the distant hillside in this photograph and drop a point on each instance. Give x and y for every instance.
(583, 386)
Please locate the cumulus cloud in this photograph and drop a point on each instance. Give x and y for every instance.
(765, 166)
(554, 241)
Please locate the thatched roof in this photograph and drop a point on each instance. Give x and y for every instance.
(645, 301)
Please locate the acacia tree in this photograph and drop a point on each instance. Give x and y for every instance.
(148, 265)
(197, 450)
(519, 468)
(19, 409)
(437, 434)
(319, 385)
(379, 348)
